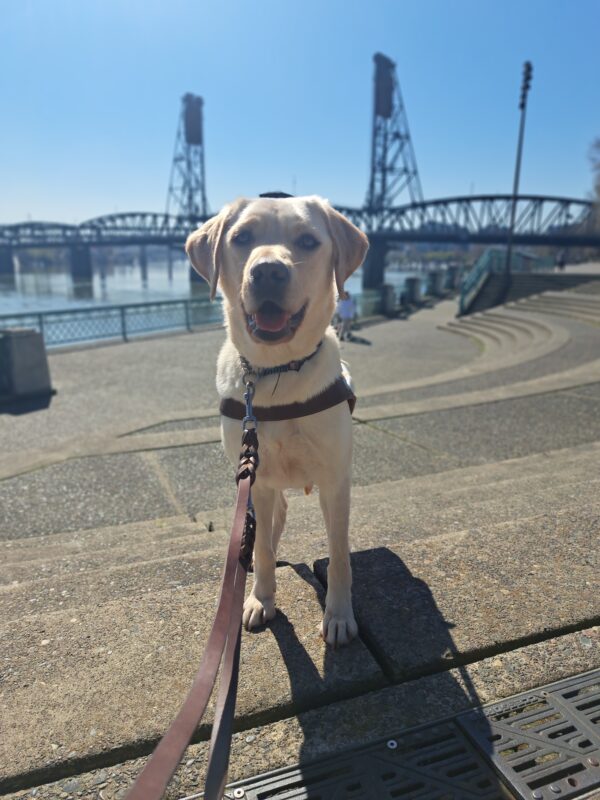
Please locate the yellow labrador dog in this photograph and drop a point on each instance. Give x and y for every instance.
(278, 261)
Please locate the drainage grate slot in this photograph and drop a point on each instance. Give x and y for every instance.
(535, 762)
(554, 777)
(444, 756)
(562, 732)
(594, 687)
(592, 704)
(545, 740)
(538, 722)
(407, 790)
(464, 770)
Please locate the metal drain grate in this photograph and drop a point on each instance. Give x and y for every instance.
(540, 745)
(546, 743)
(433, 763)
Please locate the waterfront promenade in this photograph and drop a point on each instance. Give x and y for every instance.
(475, 528)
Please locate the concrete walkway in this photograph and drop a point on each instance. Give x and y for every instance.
(475, 527)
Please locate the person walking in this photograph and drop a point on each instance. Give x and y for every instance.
(346, 310)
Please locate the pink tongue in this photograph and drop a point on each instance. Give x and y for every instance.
(272, 322)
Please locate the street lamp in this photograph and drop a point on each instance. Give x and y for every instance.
(526, 83)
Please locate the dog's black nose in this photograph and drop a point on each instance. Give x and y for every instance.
(269, 275)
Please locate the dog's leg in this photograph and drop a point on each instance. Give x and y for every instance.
(279, 515)
(339, 625)
(260, 605)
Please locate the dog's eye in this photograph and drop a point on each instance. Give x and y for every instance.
(307, 241)
(242, 237)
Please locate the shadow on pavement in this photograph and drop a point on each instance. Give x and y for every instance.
(403, 628)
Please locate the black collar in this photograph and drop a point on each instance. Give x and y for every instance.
(291, 366)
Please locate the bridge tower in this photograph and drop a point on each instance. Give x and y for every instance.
(187, 186)
(393, 163)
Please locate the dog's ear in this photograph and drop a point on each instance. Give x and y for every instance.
(203, 248)
(350, 245)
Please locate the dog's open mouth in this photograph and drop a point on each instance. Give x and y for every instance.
(271, 322)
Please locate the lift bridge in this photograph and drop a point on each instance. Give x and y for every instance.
(475, 219)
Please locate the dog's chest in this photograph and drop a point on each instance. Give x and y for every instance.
(292, 454)
(288, 455)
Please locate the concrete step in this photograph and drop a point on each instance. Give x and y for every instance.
(575, 298)
(561, 311)
(337, 728)
(548, 339)
(531, 333)
(112, 581)
(80, 684)
(103, 674)
(490, 338)
(109, 537)
(391, 512)
(59, 566)
(103, 680)
(46, 545)
(59, 563)
(524, 330)
(539, 327)
(591, 287)
(389, 516)
(580, 313)
(446, 502)
(539, 306)
(591, 308)
(382, 515)
(510, 337)
(477, 591)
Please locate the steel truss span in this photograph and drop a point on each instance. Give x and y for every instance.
(484, 218)
(135, 227)
(540, 220)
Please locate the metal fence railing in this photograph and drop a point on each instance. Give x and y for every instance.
(493, 260)
(124, 322)
(116, 322)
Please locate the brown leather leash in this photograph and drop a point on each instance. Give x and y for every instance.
(223, 645)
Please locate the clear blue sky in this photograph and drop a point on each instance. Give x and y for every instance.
(90, 95)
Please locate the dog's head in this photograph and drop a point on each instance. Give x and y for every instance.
(276, 261)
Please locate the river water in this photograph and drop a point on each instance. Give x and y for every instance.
(44, 289)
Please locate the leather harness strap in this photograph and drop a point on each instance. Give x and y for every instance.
(336, 393)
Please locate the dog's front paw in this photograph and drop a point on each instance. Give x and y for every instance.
(340, 628)
(257, 612)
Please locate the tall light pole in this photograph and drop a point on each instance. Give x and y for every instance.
(526, 83)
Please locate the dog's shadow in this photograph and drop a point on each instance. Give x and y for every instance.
(403, 628)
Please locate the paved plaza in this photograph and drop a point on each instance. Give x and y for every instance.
(475, 524)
